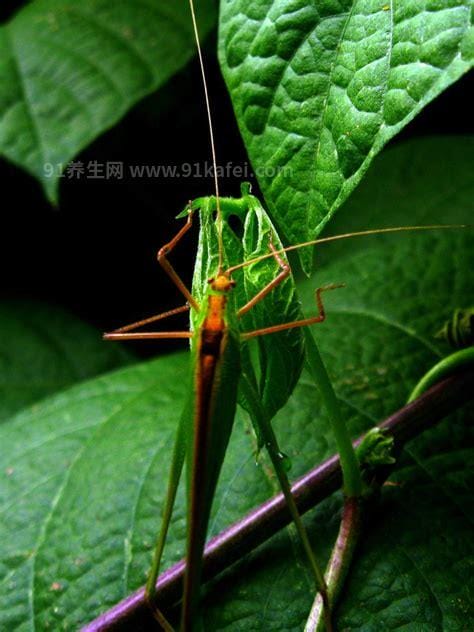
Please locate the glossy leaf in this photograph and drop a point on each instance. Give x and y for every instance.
(319, 88)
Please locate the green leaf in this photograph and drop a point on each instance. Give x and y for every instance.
(413, 571)
(319, 88)
(82, 475)
(43, 349)
(70, 70)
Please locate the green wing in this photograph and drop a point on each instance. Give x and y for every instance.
(205, 463)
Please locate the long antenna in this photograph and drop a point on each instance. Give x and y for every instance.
(211, 134)
(362, 233)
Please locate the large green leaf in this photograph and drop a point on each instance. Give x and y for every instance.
(319, 87)
(69, 71)
(413, 571)
(84, 472)
(43, 349)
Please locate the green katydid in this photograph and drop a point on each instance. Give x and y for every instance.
(217, 360)
(216, 346)
(221, 361)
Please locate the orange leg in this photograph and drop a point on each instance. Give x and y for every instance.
(151, 319)
(168, 268)
(285, 271)
(149, 335)
(297, 323)
(122, 333)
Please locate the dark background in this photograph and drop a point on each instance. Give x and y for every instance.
(95, 253)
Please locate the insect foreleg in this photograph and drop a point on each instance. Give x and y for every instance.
(168, 268)
(284, 272)
(297, 323)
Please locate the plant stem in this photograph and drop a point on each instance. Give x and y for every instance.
(267, 519)
(351, 475)
(352, 484)
(339, 564)
(446, 366)
(350, 528)
(271, 444)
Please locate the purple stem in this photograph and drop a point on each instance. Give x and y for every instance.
(339, 563)
(264, 521)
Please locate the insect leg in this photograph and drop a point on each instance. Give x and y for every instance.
(284, 272)
(147, 321)
(271, 444)
(168, 268)
(123, 333)
(179, 453)
(297, 323)
(148, 335)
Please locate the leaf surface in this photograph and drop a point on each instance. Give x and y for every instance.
(319, 88)
(82, 475)
(43, 349)
(70, 70)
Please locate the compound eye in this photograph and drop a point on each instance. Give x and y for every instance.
(211, 280)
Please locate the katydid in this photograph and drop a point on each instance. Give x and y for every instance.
(218, 355)
(216, 344)
(216, 347)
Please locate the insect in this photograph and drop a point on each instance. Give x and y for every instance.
(218, 356)
(221, 366)
(216, 346)
(217, 350)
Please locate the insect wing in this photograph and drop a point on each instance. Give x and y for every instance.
(280, 355)
(272, 363)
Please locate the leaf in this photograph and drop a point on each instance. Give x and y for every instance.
(414, 567)
(43, 349)
(319, 88)
(70, 70)
(83, 473)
